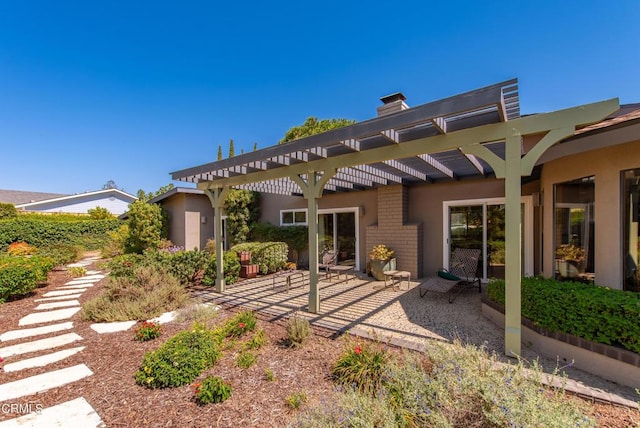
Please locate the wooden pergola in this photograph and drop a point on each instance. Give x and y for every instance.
(474, 134)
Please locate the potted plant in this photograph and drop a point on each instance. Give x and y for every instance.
(381, 260)
(570, 260)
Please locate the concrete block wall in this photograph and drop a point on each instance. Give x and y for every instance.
(394, 231)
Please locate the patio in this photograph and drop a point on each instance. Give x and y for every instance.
(365, 307)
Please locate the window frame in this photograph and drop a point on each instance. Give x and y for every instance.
(294, 212)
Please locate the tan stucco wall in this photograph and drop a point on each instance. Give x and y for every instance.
(186, 205)
(426, 207)
(606, 165)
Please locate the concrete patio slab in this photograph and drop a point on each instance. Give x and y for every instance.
(39, 345)
(63, 292)
(56, 305)
(28, 332)
(74, 413)
(50, 316)
(64, 297)
(43, 382)
(112, 327)
(42, 360)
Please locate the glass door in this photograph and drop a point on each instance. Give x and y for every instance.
(337, 231)
(481, 224)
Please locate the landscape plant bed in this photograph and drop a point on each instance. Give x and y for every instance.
(255, 401)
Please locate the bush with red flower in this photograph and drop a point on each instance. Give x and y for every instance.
(211, 389)
(361, 366)
(147, 331)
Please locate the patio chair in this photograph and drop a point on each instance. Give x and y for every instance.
(461, 273)
(327, 261)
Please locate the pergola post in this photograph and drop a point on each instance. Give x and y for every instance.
(312, 191)
(513, 247)
(217, 196)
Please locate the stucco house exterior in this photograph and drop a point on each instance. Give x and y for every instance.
(466, 171)
(114, 200)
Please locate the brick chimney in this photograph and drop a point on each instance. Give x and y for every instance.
(392, 104)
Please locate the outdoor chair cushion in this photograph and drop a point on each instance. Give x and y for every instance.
(443, 273)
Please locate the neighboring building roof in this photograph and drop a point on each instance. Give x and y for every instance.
(114, 200)
(174, 191)
(627, 113)
(23, 197)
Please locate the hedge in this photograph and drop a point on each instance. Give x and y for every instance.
(231, 269)
(592, 312)
(40, 232)
(269, 256)
(20, 275)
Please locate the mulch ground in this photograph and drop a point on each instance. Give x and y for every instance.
(255, 401)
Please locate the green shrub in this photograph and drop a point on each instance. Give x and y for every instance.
(116, 242)
(246, 359)
(591, 312)
(269, 256)
(124, 265)
(297, 330)
(147, 331)
(296, 400)
(243, 210)
(179, 360)
(76, 271)
(148, 293)
(187, 266)
(146, 226)
(258, 340)
(46, 231)
(212, 389)
(61, 254)
(21, 249)
(17, 278)
(231, 269)
(240, 323)
(362, 366)
(7, 211)
(99, 213)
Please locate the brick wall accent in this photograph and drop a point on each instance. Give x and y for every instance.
(394, 231)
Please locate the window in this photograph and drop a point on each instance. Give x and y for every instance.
(575, 229)
(293, 217)
(631, 233)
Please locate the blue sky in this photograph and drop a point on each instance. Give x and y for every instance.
(131, 91)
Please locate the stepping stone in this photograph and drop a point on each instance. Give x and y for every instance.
(112, 327)
(165, 318)
(39, 345)
(43, 382)
(71, 287)
(82, 281)
(96, 277)
(93, 272)
(50, 316)
(74, 413)
(66, 297)
(42, 360)
(55, 305)
(28, 332)
(63, 292)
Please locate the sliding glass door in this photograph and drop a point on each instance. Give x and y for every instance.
(337, 231)
(480, 224)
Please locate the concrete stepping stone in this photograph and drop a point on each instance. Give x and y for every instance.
(43, 382)
(93, 272)
(81, 282)
(35, 331)
(65, 297)
(49, 316)
(90, 277)
(112, 327)
(64, 292)
(74, 413)
(165, 318)
(77, 286)
(56, 305)
(39, 345)
(42, 360)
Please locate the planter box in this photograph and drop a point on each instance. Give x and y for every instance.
(615, 364)
(245, 257)
(248, 271)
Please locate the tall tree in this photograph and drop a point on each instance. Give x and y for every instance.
(313, 126)
(232, 152)
(109, 185)
(255, 147)
(145, 197)
(219, 152)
